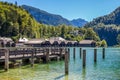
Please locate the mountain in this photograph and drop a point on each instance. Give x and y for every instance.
(107, 27)
(78, 22)
(45, 17)
(112, 18)
(15, 21)
(51, 19)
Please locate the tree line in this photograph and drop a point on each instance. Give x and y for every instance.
(15, 22)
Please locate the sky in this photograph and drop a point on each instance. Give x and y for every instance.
(73, 9)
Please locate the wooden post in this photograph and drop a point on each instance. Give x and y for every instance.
(95, 55)
(60, 53)
(84, 58)
(69, 53)
(35, 49)
(6, 59)
(103, 56)
(23, 50)
(66, 63)
(32, 58)
(80, 52)
(47, 54)
(74, 53)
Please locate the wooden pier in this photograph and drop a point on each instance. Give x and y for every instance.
(45, 53)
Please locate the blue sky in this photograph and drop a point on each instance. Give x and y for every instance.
(73, 9)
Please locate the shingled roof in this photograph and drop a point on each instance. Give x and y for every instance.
(87, 41)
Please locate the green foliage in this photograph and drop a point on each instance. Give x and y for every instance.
(91, 35)
(67, 32)
(103, 43)
(98, 44)
(108, 32)
(16, 21)
(118, 39)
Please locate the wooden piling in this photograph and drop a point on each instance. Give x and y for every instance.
(47, 54)
(69, 53)
(66, 63)
(84, 58)
(103, 54)
(74, 53)
(95, 55)
(80, 52)
(32, 58)
(6, 59)
(61, 53)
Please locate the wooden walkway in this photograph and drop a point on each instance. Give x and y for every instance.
(23, 53)
(44, 53)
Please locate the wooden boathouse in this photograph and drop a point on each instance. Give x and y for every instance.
(59, 42)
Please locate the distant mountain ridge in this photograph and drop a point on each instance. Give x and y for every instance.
(52, 19)
(112, 18)
(78, 22)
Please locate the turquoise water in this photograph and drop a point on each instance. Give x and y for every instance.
(104, 69)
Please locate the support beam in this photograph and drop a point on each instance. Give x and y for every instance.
(47, 54)
(6, 59)
(61, 53)
(84, 58)
(32, 58)
(66, 63)
(95, 55)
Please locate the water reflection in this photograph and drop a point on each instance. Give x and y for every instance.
(66, 77)
(48, 67)
(95, 64)
(83, 73)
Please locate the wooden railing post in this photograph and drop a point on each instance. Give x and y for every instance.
(32, 58)
(66, 63)
(47, 54)
(6, 59)
(61, 53)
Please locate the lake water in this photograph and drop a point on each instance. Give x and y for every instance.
(104, 69)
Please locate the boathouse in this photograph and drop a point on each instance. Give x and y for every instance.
(59, 42)
(6, 42)
(87, 43)
(34, 43)
(21, 42)
(53, 41)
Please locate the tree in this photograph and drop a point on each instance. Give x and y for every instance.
(103, 43)
(98, 44)
(91, 35)
(118, 39)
